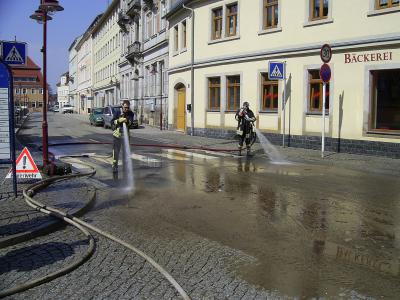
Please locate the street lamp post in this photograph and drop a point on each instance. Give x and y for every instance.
(41, 15)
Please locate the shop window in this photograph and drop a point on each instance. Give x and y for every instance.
(233, 92)
(231, 19)
(381, 4)
(270, 14)
(315, 93)
(214, 93)
(269, 94)
(319, 9)
(217, 23)
(385, 100)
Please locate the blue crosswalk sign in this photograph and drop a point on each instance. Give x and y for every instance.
(276, 70)
(14, 53)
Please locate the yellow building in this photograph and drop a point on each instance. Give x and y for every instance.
(234, 41)
(106, 42)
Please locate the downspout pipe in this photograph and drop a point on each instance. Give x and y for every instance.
(191, 72)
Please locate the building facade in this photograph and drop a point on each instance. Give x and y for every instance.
(106, 53)
(85, 69)
(63, 91)
(234, 42)
(72, 79)
(28, 86)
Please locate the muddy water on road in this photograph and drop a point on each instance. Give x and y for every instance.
(316, 231)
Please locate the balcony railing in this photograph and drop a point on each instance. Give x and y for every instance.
(134, 52)
(134, 7)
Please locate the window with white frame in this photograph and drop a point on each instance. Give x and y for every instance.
(315, 93)
(382, 4)
(184, 35)
(217, 23)
(319, 9)
(269, 94)
(231, 19)
(224, 21)
(233, 92)
(176, 38)
(270, 14)
(214, 93)
(149, 25)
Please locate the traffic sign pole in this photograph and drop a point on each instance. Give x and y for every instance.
(323, 119)
(284, 104)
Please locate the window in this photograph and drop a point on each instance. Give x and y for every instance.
(24, 91)
(315, 89)
(217, 23)
(380, 4)
(41, 91)
(233, 92)
(270, 14)
(184, 34)
(385, 110)
(176, 38)
(269, 94)
(214, 93)
(149, 25)
(231, 19)
(319, 9)
(32, 91)
(17, 91)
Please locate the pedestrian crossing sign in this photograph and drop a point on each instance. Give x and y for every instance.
(26, 167)
(276, 70)
(13, 53)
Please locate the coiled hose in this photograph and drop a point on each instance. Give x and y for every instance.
(30, 192)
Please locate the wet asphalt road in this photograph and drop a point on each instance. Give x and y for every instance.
(311, 230)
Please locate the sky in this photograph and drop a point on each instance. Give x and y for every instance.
(61, 31)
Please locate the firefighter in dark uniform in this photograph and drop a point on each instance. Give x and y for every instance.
(245, 118)
(125, 117)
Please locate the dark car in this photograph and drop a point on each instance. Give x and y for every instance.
(96, 116)
(111, 112)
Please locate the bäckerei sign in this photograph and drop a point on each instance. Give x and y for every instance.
(350, 58)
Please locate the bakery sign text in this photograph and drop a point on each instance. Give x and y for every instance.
(350, 58)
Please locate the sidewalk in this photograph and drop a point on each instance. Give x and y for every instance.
(363, 163)
(19, 222)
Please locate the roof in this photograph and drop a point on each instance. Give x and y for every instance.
(176, 7)
(30, 70)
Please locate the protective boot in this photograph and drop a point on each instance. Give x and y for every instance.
(248, 151)
(240, 150)
(115, 172)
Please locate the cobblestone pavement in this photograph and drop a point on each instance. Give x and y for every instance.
(205, 269)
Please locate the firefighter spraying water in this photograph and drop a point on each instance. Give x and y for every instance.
(246, 119)
(126, 117)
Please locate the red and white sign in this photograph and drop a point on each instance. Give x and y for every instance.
(26, 167)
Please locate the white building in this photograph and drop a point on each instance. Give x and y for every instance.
(72, 70)
(63, 91)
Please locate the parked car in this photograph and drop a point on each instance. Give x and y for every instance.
(96, 116)
(56, 108)
(67, 109)
(111, 112)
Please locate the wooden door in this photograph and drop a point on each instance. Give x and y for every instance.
(180, 112)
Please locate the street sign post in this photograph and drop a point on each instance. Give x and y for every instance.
(13, 53)
(325, 74)
(277, 71)
(7, 142)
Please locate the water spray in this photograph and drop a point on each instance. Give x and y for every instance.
(130, 185)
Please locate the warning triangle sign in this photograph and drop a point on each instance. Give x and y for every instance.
(276, 72)
(26, 167)
(14, 56)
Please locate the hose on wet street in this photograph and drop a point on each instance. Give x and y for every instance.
(28, 194)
